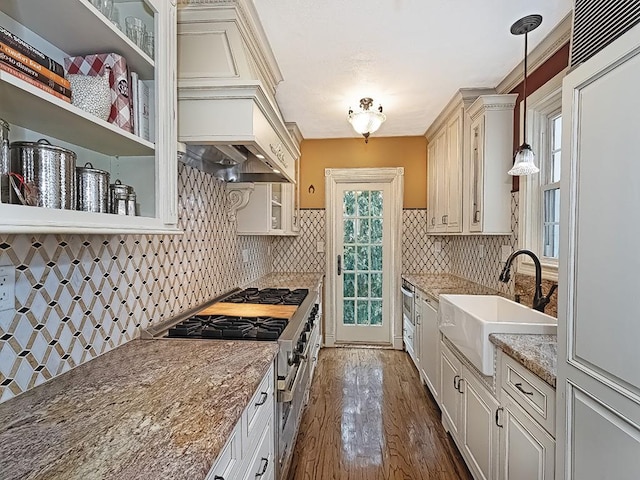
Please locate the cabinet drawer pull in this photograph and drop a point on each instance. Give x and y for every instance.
(498, 410)
(476, 216)
(455, 382)
(263, 399)
(460, 384)
(264, 467)
(519, 387)
(218, 477)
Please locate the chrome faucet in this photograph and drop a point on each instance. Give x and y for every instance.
(539, 300)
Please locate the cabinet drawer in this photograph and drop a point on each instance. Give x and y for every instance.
(259, 410)
(534, 395)
(228, 462)
(261, 465)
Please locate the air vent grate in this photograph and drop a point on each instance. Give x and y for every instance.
(597, 23)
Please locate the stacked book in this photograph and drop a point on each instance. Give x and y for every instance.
(22, 60)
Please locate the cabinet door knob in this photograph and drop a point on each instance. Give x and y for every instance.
(498, 410)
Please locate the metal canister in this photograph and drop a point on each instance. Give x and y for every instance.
(5, 163)
(131, 204)
(119, 204)
(118, 188)
(49, 174)
(93, 189)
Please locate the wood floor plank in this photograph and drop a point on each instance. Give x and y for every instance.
(369, 417)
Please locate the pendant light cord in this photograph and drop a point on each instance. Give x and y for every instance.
(524, 133)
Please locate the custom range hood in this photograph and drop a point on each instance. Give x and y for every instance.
(228, 118)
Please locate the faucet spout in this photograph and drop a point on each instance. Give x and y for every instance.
(539, 299)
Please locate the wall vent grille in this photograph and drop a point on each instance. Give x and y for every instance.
(597, 23)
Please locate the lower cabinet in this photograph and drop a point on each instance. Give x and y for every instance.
(250, 449)
(428, 337)
(498, 438)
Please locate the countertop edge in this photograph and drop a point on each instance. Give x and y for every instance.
(533, 365)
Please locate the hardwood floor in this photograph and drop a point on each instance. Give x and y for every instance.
(368, 418)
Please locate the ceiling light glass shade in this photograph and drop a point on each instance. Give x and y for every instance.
(366, 121)
(524, 162)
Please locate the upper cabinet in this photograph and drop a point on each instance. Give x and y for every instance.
(487, 208)
(446, 150)
(68, 28)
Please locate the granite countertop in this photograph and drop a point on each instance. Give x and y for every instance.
(537, 353)
(288, 280)
(150, 409)
(436, 284)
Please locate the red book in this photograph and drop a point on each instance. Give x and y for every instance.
(31, 81)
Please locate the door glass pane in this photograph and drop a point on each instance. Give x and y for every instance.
(363, 258)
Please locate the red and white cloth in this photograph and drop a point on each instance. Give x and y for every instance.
(94, 65)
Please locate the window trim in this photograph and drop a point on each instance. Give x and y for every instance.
(541, 104)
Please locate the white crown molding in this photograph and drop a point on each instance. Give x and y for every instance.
(463, 98)
(238, 195)
(557, 38)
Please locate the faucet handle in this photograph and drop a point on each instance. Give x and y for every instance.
(553, 288)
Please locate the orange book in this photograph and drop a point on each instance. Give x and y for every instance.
(34, 65)
(31, 81)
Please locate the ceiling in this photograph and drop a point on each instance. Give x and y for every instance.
(410, 56)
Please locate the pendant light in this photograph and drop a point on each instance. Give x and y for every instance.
(366, 121)
(524, 158)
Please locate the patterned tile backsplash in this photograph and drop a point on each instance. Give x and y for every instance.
(300, 254)
(78, 296)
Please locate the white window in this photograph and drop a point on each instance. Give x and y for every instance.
(540, 196)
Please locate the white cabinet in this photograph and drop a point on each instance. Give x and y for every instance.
(487, 185)
(428, 336)
(446, 152)
(270, 211)
(450, 393)
(74, 27)
(408, 336)
(250, 450)
(598, 427)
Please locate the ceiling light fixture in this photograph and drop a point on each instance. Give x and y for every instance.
(366, 121)
(524, 158)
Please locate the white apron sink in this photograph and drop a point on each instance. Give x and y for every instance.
(467, 321)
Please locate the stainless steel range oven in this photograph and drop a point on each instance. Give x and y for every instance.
(298, 338)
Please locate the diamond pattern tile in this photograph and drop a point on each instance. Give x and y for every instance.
(300, 254)
(78, 296)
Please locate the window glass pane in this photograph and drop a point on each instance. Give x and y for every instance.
(557, 133)
(552, 205)
(363, 204)
(376, 203)
(349, 203)
(376, 230)
(363, 258)
(551, 245)
(349, 231)
(555, 167)
(349, 258)
(363, 230)
(376, 312)
(349, 287)
(376, 285)
(363, 312)
(349, 312)
(363, 285)
(376, 258)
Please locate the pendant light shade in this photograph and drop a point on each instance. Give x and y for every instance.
(524, 158)
(366, 121)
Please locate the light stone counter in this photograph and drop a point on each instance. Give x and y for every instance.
(436, 284)
(151, 409)
(537, 353)
(290, 280)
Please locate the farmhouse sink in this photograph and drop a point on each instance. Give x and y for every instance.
(467, 321)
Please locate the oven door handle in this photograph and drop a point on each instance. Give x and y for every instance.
(286, 395)
(407, 293)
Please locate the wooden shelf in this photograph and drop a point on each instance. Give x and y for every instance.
(32, 108)
(78, 28)
(35, 220)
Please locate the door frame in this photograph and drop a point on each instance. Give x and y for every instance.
(395, 177)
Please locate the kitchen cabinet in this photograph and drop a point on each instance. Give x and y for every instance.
(249, 452)
(428, 339)
(75, 27)
(270, 210)
(487, 185)
(598, 426)
(408, 336)
(445, 160)
(450, 393)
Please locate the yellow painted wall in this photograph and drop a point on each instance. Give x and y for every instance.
(407, 152)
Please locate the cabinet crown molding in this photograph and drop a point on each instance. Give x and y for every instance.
(463, 98)
(492, 102)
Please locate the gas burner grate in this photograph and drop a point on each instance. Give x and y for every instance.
(270, 296)
(229, 328)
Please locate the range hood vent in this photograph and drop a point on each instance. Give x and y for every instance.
(227, 76)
